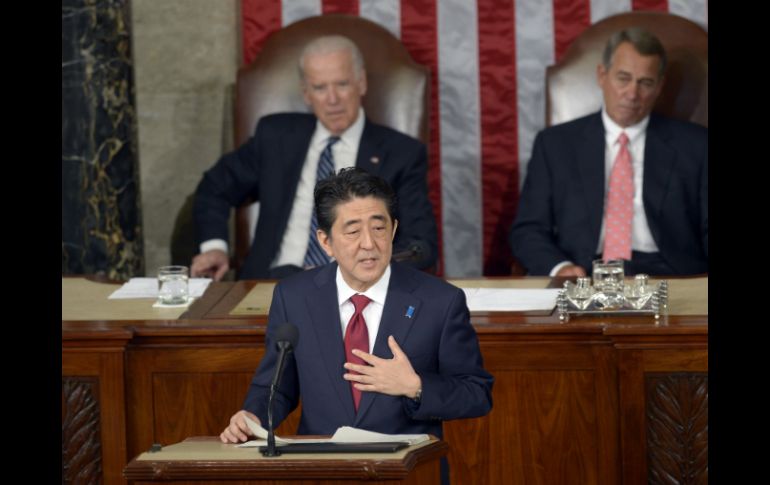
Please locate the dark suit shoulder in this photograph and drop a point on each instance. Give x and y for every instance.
(392, 136)
(574, 127)
(311, 278)
(678, 128)
(421, 282)
(688, 140)
(285, 121)
(567, 136)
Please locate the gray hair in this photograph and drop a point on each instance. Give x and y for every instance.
(643, 42)
(328, 44)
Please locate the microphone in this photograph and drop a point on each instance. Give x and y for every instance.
(286, 336)
(414, 253)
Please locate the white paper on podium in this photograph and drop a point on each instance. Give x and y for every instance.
(510, 299)
(347, 434)
(261, 433)
(148, 288)
(344, 434)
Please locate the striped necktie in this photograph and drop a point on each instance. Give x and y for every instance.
(315, 255)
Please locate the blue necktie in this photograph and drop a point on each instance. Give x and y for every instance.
(315, 255)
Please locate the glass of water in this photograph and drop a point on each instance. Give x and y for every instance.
(608, 275)
(173, 286)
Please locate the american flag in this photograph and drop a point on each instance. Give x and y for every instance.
(487, 60)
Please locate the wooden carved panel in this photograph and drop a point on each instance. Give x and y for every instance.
(81, 446)
(677, 428)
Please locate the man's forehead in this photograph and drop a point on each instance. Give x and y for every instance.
(360, 209)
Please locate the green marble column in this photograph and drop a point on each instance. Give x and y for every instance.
(101, 214)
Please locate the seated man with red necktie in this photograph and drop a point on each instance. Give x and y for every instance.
(280, 164)
(623, 183)
(382, 346)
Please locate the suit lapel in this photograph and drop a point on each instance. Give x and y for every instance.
(394, 322)
(371, 151)
(590, 159)
(659, 160)
(325, 314)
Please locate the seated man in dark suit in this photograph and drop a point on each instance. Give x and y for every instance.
(424, 365)
(623, 183)
(280, 164)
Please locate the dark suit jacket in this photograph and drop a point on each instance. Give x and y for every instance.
(562, 203)
(267, 168)
(438, 339)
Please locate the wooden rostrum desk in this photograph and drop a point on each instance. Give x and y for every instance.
(600, 399)
(205, 460)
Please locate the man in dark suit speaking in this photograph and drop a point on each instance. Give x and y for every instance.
(621, 183)
(280, 164)
(382, 346)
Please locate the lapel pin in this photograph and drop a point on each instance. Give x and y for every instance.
(375, 160)
(409, 312)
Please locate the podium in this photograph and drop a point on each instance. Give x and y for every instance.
(206, 460)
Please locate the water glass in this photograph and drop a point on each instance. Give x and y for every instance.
(608, 275)
(173, 288)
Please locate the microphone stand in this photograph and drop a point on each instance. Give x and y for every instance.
(284, 348)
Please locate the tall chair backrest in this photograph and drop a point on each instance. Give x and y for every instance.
(571, 88)
(397, 88)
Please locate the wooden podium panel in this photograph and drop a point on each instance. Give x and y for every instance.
(553, 418)
(205, 460)
(586, 401)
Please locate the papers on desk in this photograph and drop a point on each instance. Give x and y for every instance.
(148, 288)
(344, 434)
(510, 299)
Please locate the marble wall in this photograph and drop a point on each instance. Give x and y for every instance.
(186, 56)
(101, 217)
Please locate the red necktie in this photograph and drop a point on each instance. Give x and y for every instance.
(620, 206)
(357, 337)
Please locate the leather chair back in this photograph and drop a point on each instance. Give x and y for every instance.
(571, 87)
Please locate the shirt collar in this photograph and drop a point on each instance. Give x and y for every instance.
(612, 130)
(377, 292)
(349, 137)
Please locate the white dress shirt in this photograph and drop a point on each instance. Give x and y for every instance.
(295, 238)
(641, 237)
(372, 312)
